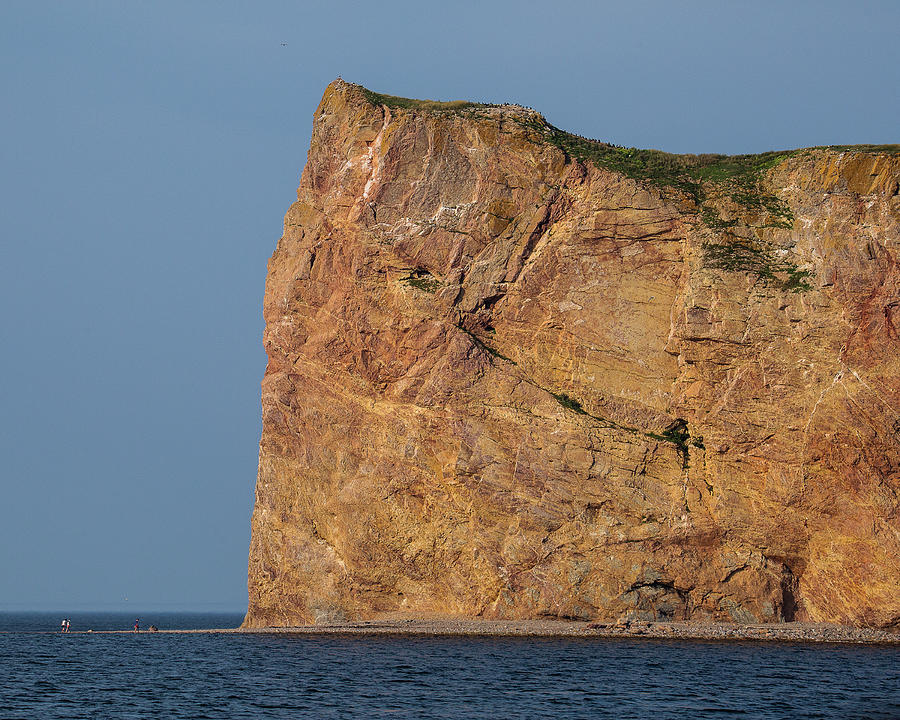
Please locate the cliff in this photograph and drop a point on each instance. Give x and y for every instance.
(515, 373)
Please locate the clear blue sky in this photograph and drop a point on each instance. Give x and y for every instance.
(148, 152)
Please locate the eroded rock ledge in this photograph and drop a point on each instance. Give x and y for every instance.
(517, 374)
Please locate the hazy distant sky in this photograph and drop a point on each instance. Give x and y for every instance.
(148, 152)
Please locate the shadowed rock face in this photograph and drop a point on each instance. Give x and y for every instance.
(506, 383)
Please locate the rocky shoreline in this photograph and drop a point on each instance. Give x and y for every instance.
(729, 632)
(780, 632)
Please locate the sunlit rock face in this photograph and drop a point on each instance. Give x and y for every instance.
(507, 380)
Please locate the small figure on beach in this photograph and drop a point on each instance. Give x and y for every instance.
(137, 625)
(62, 625)
(68, 624)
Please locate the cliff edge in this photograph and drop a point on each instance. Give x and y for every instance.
(515, 373)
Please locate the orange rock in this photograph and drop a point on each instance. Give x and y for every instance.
(511, 379)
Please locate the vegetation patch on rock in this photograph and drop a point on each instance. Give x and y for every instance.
(737, 254)
(422, 280)
(569, 403)
(677, 434)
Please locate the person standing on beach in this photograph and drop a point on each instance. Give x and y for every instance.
(68, 624)
(137, 625)
(62, 625)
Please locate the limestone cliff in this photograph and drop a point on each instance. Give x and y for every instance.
(515, 373)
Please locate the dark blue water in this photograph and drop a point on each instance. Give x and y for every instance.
(327, 676)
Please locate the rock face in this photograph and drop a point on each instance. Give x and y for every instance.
(515, 374)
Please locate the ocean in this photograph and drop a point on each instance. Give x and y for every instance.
(48, 675)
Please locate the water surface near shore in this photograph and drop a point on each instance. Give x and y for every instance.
(106, 621)
(238, 675)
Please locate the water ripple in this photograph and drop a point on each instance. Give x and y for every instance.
(257, 676)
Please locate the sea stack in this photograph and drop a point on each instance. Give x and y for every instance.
(513, 373)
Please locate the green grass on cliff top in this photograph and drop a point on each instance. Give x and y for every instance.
(402, 103)
(682, 172)
(687, 173)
